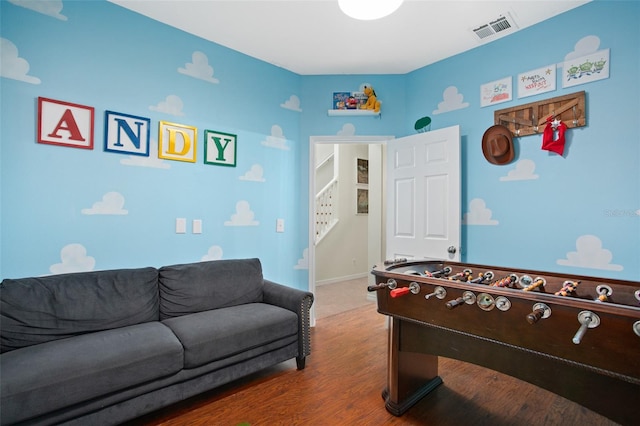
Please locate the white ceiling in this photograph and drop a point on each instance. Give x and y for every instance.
(311, 37)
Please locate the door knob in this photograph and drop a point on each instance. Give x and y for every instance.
(451, 249)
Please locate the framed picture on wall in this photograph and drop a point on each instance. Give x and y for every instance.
(537, 81)
(362, 201)
(362, 171)
(496, 92)
(586, 69)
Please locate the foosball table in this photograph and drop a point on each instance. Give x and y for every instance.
(576, 336)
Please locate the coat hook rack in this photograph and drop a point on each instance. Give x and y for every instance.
(530, 119)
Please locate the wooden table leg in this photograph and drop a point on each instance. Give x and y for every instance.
(411, 375)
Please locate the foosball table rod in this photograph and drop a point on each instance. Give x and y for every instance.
(587, 319)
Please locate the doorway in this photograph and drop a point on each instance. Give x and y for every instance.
(373, 239)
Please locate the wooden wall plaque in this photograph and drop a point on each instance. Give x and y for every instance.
(530, 119)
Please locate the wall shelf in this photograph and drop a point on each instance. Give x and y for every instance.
(352, 112)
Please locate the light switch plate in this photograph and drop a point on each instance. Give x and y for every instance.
(280, 225)
(197, 226)
(181, 225)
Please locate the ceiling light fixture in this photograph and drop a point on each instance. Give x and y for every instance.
(368, 10)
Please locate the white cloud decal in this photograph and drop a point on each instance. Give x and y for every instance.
(255, 174)
(347, 130)
(74, 259)
(452, 100)
(478, 214)
(277, 139)
(523, 171)
(584, 46)
(590, 254)
(171, 105)
(151, 161)
(46, 7)
(293, 103)
(214, 253)
(243, 216)
(111, 204)
(13, 66)
(304, 262)
(199, 68)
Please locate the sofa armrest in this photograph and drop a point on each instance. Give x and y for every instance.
(297, 301)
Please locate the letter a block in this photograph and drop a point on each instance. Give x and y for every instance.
(64, 123)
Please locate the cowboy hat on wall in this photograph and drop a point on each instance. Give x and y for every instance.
(497, 145)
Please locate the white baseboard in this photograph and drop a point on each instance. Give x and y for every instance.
(345, 278)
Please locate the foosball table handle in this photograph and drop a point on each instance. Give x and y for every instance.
(467, 297)
(414, 288)
(397, 292)
(587, 319)
(438, 292)
(376, 287)
(455, 302)
(540, 310)
(391, 283)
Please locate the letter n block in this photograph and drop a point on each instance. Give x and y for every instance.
(126, 134)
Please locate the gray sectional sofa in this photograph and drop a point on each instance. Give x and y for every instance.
(104, 347)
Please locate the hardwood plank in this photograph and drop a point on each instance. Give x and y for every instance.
(338, 297)
(342, 385)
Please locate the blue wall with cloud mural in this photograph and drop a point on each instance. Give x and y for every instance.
(70, 209)
(67, 209)
(575, 213)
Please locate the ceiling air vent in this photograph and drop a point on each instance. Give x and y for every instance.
(502, 25)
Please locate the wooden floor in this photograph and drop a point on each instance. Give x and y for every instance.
(341, 296)
(342, 384)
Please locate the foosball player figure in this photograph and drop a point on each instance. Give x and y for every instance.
(568, 288)
(461, 276)
(508, 281)
(487, 276)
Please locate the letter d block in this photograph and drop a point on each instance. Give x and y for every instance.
(177, 142)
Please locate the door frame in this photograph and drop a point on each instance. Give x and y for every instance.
(313, 140)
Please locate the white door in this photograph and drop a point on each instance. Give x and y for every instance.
(423, 198)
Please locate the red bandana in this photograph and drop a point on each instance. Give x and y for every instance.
(548, 143)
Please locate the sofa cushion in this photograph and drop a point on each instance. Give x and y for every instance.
(196, 287)
(216, 334)
(50, 376)
(41, 309)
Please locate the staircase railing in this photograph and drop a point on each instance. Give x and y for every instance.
(326, 210)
